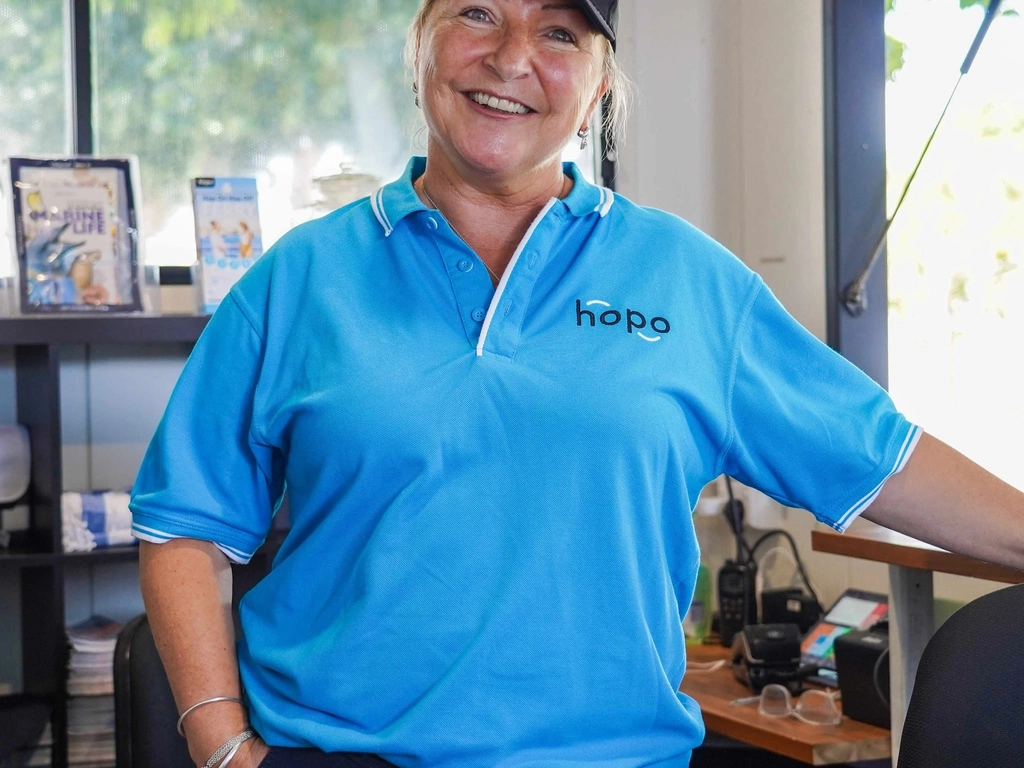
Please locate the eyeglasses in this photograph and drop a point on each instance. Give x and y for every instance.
(813, 707)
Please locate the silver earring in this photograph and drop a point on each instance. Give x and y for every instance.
(584, 134)
(416, 98)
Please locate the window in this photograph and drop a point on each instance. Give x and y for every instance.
(312, 99)
(284, 92)
(33, 112)
(956, 250)
(945, 318)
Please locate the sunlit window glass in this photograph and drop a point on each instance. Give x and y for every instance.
(286, 92)
(312, 99)
(33, 116)
(956, 251)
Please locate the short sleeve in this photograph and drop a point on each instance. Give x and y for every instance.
(809, 428)
(207, 475)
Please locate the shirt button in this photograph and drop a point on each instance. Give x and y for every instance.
(431, 222)
(479, 315)
(465, 265)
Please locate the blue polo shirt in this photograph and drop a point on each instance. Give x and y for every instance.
(490, 489)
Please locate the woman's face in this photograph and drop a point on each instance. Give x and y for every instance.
(504, 84)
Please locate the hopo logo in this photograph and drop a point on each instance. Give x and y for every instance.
(603, 313)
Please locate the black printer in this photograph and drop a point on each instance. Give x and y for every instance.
(862, 665)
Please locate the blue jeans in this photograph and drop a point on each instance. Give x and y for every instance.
(283, 757)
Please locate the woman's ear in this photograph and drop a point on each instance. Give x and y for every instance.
(601, 91)
(416, 71)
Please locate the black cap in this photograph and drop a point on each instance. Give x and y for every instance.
(604, 14)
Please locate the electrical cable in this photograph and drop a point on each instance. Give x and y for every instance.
(761, 566)
(796, 553)
(744, 554)
(793, 558)
(874, 676)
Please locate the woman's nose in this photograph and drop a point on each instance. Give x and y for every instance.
(511, 57)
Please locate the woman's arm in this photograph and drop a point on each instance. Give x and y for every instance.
(186, 587)
(943, 498)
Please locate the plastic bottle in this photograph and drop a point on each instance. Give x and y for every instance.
(697, 622)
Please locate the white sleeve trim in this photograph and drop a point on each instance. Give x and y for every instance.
(906, 450)
(154, 536)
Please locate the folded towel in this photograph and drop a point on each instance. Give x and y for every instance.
(91, 520)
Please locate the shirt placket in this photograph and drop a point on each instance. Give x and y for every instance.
(497, 312)
(503, 325)
(471, 285)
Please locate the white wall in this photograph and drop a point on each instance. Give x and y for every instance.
(728, 132)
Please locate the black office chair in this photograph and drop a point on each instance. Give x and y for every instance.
(967, 708)
(144, 710)
(22, 720)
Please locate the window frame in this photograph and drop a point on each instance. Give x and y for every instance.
(855, 177)
(80, 96)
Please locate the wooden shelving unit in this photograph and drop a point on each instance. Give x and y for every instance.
(37, 553)
(16, 559)
(50, 330)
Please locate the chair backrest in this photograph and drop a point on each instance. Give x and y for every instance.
(144, 708)
(22, 720)
(967, 708)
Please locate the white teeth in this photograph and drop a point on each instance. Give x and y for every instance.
(502, 105)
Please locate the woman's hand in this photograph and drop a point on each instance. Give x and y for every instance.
(251, 753)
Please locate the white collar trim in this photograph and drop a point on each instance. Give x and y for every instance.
(496, 299)
(377, 203)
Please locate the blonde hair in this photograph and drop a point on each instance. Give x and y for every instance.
(617, 102)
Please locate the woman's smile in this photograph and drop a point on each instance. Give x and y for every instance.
(491, 103)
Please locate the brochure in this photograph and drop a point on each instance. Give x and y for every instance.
(228, 236)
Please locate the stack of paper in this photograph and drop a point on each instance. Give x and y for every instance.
(91, 688)
(91, 663)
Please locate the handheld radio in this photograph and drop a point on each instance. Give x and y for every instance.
(737, 602)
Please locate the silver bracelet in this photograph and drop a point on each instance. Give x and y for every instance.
(184, 714)
(227, 746)
(230, 756)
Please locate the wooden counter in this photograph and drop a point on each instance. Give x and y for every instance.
(911, 596)
(884, 546)
(812, 744)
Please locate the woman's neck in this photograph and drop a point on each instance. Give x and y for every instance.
(492, 215)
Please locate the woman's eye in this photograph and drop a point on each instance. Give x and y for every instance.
(563, 36)
(475, 14)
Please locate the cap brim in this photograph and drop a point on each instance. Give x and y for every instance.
(598, 20)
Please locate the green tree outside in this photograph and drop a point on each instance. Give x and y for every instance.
(219, 87)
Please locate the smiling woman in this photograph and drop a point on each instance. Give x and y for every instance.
(494, 391)
(502, 85)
